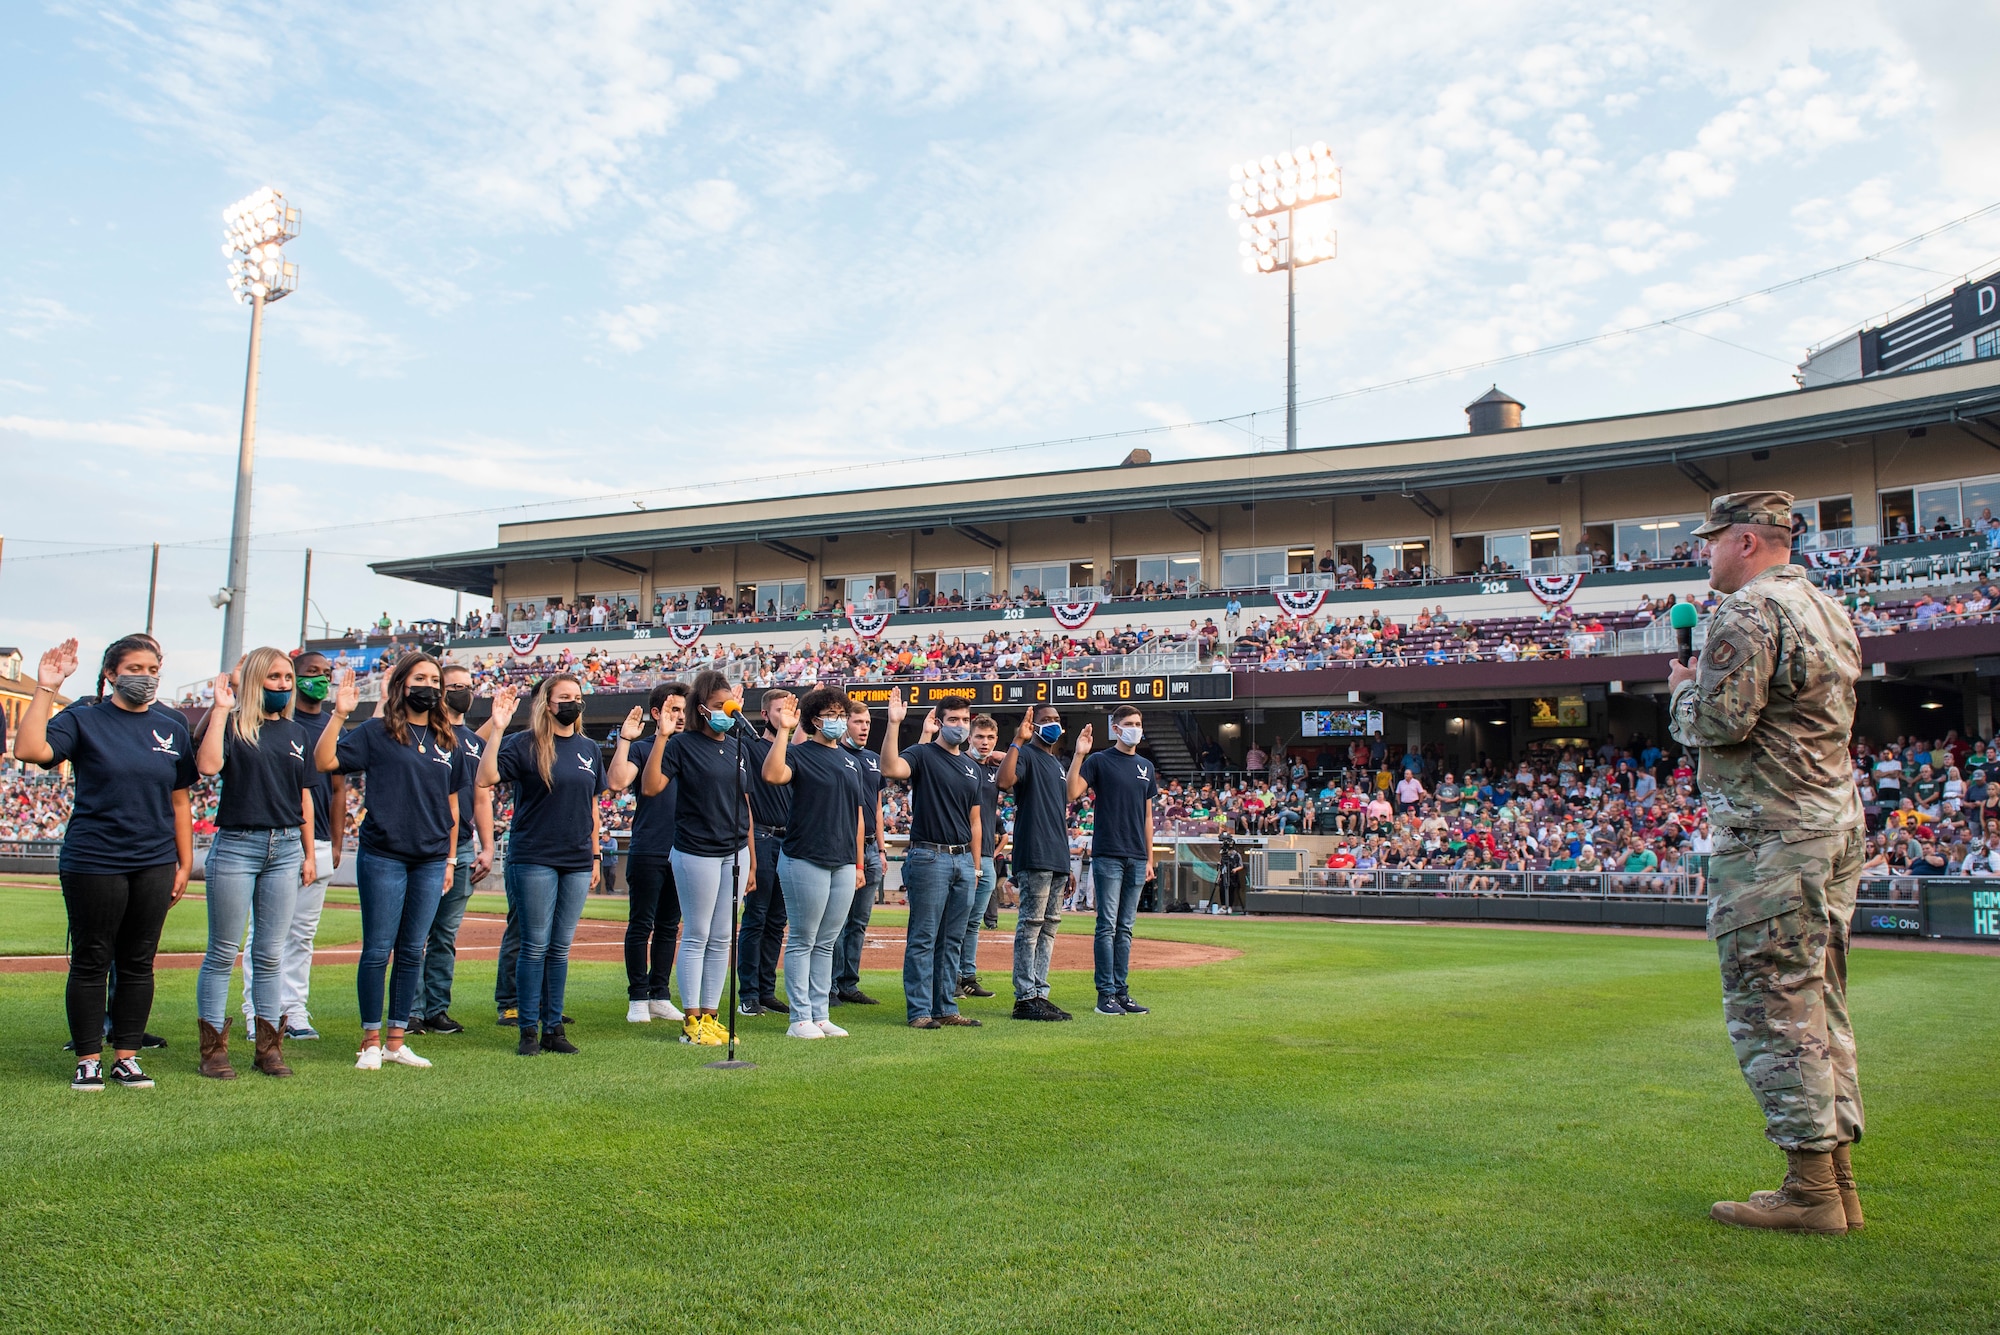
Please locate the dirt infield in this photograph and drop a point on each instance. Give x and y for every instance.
(479, 938)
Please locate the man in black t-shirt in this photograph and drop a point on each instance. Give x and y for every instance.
(874, 859)
(985, 736)
(761, 943)
(1033, 772)
(941, 868)
(1122, 784)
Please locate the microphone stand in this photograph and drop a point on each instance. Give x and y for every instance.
(730, 1063)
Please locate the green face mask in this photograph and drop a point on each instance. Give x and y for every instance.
(314, 688)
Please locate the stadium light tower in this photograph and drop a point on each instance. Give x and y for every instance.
(1285, 205)
(255, 230)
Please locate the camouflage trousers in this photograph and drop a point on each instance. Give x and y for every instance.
(1780, 906)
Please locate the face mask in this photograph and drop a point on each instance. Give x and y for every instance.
(954, 734)
(1050, 733)
(457, 699)
(718, 720)
(275, 701)
(568, 712)
(314, 688)
(982, 749)
(135, 688)
(833, 729)
(1131, 736)
(421, 699)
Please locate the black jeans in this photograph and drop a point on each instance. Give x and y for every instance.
(113, 920)
(762, 940)
(510, 960)
(652, 928)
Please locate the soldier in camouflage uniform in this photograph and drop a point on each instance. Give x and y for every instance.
(1770, 706)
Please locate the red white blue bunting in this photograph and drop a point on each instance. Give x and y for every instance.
(685, 634)
(1839, 558)
(523, 645)
(1553, 590)
(868, 625)
(1071, 616)
(1299, 602)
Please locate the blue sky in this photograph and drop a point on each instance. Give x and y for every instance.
(554, 251)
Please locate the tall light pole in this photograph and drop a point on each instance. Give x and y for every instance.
(255, 230)
(1285, 205)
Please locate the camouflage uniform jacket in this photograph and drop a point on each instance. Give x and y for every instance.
(1772, 709)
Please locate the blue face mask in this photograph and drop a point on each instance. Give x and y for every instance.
(833, 729)
(275, 701)
(1050, 733)
(954, 734)
(720, 721)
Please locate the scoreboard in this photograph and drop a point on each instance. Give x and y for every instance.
(1067, 692)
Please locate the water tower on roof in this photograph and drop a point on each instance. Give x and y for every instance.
(1495, 410)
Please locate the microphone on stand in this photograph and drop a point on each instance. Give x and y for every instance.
(1683, 618)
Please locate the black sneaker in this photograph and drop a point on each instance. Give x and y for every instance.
(89, 1077)
(855, 996)
(969, 987)
(442, 1023)
(1056, 1012)
(415, 1026)
(125, 1071)
(1032, 1008)
(748, 1007)
(1132, 1007)
(509, 1018)
(775, 1006)
(530, 1045)
(152, 1041)
(1109, 1006)
(553, 1040)
(569, 1019)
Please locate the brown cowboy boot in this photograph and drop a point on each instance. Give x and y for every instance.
(1808, 1202)
(215, 1051)
(271, 1049)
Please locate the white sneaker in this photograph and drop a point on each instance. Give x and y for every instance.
(804, 1029)
(830, 1029)
(404, 1057)
(666, 1010)
(368, 1059)
(638, 1012)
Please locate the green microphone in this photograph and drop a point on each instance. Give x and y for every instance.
(1683, 618)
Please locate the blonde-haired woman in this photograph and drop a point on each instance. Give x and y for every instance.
(263, 850)
(552, 859)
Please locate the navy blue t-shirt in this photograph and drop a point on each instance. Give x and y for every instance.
(827, 793)
(871, 783)
(1122, 788)
(408, 811)
(770, 803)
(652, 817)
(989, 806)
(474, 747)
(708, 785)
(261, 784)
(1041, 811)
(553, 821)
(127, 767)
(319, 785)
(944, 788)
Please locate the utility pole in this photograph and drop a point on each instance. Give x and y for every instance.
(152, 588)
(305, 598)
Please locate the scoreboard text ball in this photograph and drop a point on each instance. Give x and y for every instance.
(1022, 692)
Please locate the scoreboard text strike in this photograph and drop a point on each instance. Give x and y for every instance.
(1021, 692)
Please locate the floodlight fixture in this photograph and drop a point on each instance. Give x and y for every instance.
(1283, 204)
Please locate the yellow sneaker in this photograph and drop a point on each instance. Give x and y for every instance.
(693, 1030)
(717, 1035)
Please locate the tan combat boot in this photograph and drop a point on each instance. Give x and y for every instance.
(1808, 1202)
(271, 1049)
(1843, 1178)
(215, 1051)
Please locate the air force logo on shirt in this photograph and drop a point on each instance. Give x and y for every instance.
(1144, 773)
(164, 745)
(588, 763)
(298, 751)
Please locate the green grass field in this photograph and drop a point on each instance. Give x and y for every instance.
(1376, 1128)
(32, 921)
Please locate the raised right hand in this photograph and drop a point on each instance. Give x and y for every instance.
(1083, 740)
(57, 664)
(897, 708)
(225, 692)
(1026, 732)
(505, 701)
(347, 693)
(788, 716)
(634, 726)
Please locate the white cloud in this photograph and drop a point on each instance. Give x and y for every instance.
(35, 318)
(632, 327)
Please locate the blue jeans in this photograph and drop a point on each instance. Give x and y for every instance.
(816, 900)
(1119, 881)
(1035, 924)
(547, 903)
(251, 874)
(398, 901)
(982, 891)
(854, 933)
(939, 888)
(441, 951)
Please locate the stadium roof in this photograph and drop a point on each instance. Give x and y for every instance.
(1965, 393)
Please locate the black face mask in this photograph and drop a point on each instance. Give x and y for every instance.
(568, 712)
(421, 699)
(458, 699)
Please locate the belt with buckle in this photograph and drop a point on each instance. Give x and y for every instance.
(774, 831)
(953, 849)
